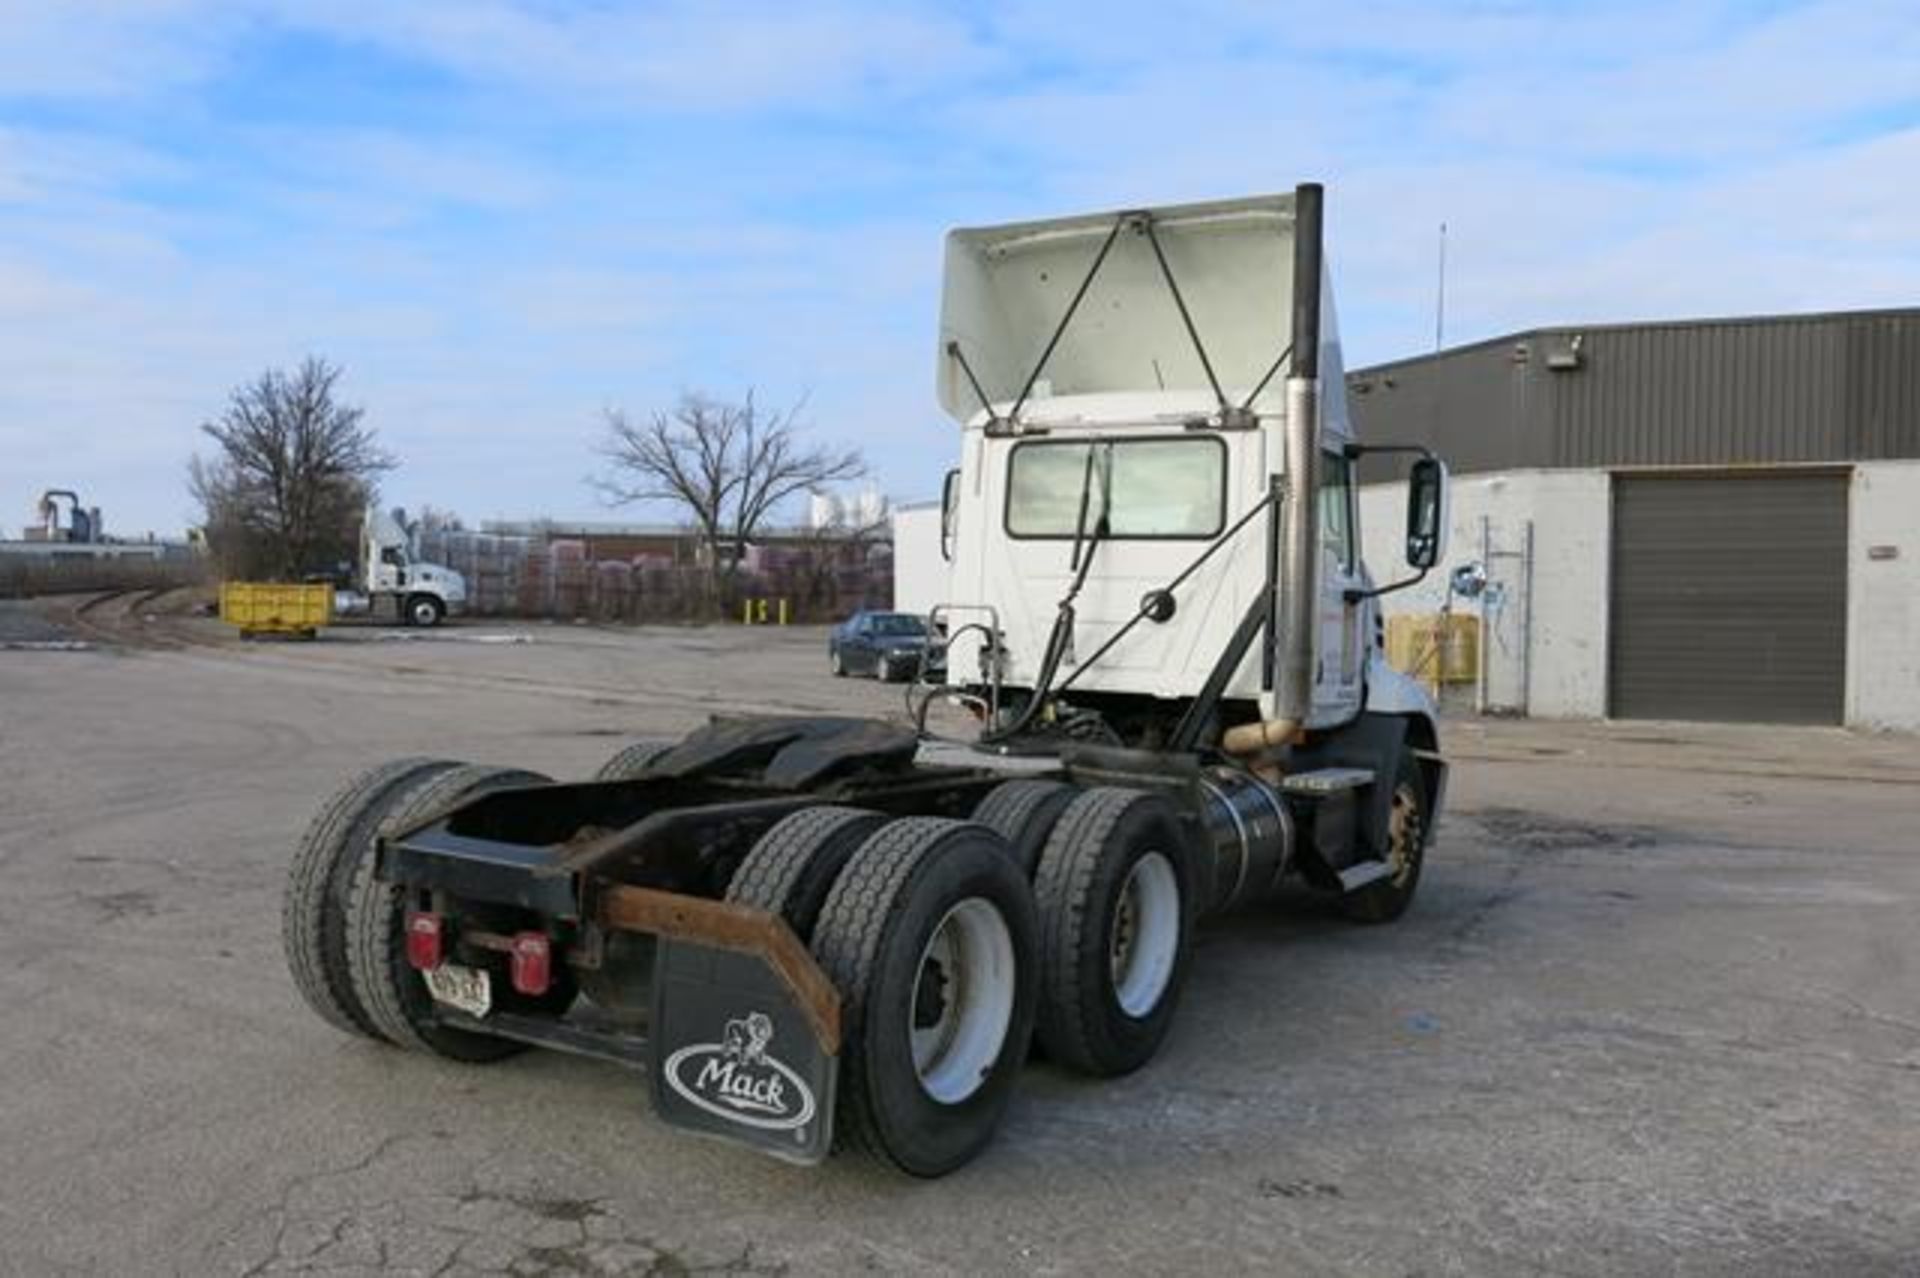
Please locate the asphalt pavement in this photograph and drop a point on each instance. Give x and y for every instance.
(1656, 1011)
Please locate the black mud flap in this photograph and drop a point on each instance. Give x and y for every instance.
(735, 1055)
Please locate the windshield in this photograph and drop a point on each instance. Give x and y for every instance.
(898, 623)
(1157, 487)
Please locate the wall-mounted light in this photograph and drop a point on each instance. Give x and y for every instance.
(1566, 358)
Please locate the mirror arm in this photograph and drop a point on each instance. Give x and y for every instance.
(1355, 596)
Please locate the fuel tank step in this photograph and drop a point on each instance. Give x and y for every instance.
(1326, 781)
(1358, 875)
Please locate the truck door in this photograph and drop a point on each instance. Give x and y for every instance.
(393, 569)
(1340, 653)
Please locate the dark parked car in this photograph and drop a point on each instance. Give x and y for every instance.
(886, 645)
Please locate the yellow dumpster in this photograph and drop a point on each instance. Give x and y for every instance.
(1435, 647)
(275, 608)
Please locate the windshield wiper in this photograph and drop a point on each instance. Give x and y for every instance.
(1086, 496)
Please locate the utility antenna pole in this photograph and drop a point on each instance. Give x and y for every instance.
(1440, 297)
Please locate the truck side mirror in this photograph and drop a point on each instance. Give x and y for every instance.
(949, 511)
(1427, 513)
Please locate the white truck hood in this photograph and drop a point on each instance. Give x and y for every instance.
(450, 583)
(1006, 288)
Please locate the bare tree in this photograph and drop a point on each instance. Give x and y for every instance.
(295, 470)
(432, 519)
(727, 467)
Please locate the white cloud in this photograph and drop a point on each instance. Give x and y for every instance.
(576, 204)
(731, 56)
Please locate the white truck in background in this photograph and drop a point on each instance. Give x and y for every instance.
(389, 577)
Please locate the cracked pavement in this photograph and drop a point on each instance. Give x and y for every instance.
(1656, 1010)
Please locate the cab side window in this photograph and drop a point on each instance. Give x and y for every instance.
(1336, 507)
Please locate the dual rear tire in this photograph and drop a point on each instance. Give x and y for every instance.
(948, 958)
(1114, 886)
(930, 935)
(927, 929)
(341, 925)
(1115, 894)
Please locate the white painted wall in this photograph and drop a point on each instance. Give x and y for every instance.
(1883, 598)
(1570, 511)
(920, 575)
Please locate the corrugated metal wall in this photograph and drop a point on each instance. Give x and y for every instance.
(1472, 405)
(1818, 388)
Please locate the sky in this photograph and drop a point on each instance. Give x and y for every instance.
(503, 217)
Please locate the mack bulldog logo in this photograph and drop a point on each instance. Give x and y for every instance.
(739, 1080)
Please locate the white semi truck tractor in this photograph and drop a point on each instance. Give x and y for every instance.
(837, 932)
(392, 581)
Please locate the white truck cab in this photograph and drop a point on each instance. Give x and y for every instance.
(420, 593)
(821, 930)
(1138, 443)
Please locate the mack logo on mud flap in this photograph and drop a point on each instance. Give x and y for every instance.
(738, 1079)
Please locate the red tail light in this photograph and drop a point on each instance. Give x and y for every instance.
(531, 962)
(424, 940)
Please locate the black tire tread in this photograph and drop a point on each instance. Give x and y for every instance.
(1024, 813)
(313, 915)
(374, 933)
(1063, 888)
(633, 759)
(781, 873)
(847, 944)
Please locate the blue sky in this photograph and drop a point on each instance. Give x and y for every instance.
(504, 215)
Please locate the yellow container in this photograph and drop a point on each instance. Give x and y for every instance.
(1435, 647)
(273, 608)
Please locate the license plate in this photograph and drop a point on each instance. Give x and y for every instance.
(465, 988)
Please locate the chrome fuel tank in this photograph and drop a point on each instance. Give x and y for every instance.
(1251, 835)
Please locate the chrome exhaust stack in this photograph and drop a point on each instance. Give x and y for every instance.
(1295, 576)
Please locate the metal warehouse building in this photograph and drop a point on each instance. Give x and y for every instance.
(1708, 520)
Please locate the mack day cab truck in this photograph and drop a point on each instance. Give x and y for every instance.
(391, 580)
(812, 932)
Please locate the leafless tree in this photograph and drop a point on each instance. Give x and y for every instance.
(295, 470)
(726, 467)
(432, 519)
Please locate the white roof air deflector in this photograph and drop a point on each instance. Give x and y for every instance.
(1008, 287)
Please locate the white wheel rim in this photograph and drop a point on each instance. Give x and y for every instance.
(423, 613)
(962, 1001)
(1146, 934)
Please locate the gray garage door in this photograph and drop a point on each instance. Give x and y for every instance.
(1729, 597)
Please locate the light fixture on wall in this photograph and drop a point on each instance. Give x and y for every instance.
(1565, 359)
